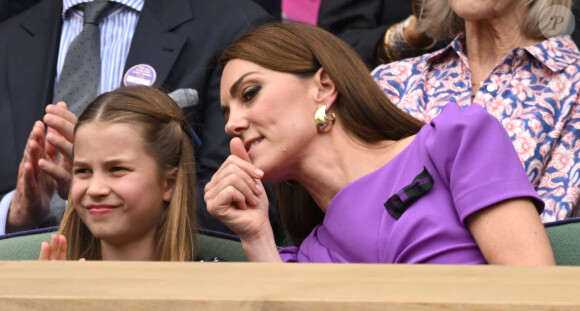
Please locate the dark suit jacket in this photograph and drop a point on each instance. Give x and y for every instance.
(9, 8)
(362, 23)
(180, 39)
(576, 13)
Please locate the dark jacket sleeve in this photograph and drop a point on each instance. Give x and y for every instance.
(362, 23)
(576, 13)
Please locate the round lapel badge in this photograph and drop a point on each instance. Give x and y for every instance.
(141, 74)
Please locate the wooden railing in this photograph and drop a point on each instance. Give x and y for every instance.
(33, 285)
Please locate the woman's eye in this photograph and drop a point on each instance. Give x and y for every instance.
(250, 93)
(226, 113)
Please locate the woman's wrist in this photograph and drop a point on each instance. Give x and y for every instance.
(384, 51)
(402, 40)
(415, 38)
(261, 248)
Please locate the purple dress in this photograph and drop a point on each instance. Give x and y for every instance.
(413, 209)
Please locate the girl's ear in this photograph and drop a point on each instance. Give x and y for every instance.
(326, 90)
(168, 184)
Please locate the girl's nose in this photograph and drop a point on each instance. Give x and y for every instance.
(98, 186)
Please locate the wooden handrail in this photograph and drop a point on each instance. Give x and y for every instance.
(34, 285)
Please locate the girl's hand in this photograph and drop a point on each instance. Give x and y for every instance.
(56, 250)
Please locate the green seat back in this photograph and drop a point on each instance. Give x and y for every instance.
(27, 247)
(210, 247)
(565, 239)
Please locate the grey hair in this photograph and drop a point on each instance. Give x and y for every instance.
(440, 22)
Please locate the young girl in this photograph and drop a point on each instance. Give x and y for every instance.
(132, 194)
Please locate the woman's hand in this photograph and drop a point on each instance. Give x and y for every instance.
(235, 195)
(411, 31)
(56, 250)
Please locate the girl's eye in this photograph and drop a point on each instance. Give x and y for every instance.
(82, 172)
(250, 93)
(117, 169)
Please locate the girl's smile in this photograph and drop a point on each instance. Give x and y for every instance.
(117, 188)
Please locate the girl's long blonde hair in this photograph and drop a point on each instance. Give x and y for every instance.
(168, 141)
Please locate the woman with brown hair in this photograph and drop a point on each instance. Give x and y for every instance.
(357, 179)
(132, 194)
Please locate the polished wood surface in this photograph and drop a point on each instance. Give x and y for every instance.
(33, 285)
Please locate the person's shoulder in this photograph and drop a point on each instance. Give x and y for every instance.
(36, 19)
(230, 17)
(408, 62)
(454, 115)
(227, 6)
(560, 54)
(42, 11)
(465, 123)
(414, 64)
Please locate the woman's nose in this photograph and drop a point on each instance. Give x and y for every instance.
(236, 124)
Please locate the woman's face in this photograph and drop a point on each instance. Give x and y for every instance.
(474, 10)
(273, 114)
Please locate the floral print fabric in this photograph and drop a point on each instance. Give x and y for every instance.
(533, 92)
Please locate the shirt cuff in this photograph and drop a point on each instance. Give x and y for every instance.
(4, 206)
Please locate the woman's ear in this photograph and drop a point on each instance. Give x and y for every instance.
(168, 184)
(326, 90)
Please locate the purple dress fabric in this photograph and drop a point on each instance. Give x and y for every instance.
(473, 164)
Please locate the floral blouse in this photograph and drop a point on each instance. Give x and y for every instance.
(533, 92)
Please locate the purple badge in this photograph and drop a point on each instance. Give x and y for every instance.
(141, 74)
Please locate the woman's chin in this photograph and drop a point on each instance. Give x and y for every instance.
(273, 177)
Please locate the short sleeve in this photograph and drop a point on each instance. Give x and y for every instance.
(473, 152)
(289, 254)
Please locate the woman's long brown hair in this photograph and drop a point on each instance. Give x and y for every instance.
(361, 105)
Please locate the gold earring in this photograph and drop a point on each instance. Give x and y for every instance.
(323, 123)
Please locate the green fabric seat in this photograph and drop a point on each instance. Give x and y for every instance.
(565, 239)
(209, 247)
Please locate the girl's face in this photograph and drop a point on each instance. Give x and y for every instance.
(116, 187)
(272, 113)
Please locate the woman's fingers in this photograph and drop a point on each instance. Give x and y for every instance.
(228, 198)
(243, 170)
(247, 167)
(236, 181)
